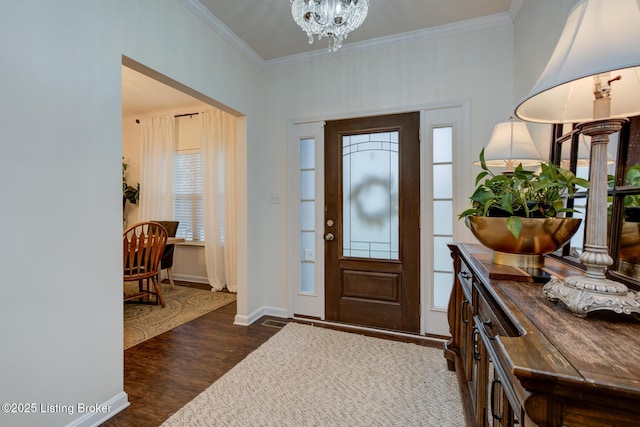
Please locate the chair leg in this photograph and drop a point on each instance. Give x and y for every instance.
(154, 280)
(170, 274)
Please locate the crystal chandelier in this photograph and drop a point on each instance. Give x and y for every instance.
(329, 18)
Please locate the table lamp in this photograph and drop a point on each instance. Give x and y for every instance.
(511, 144)
(592, 77)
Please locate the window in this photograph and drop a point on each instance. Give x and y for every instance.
(570, 148)
(188, 201)
(307, 214)
(442, 138)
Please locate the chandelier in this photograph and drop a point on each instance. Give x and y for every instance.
(329, 18)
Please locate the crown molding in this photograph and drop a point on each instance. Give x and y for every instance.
(514, 9)
(351, 48)
(219, 27)
(466, 26)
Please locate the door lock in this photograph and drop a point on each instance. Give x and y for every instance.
(329, 237)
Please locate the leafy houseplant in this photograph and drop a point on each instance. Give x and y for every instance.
(522, 194)
(132, 194)
(632, 202)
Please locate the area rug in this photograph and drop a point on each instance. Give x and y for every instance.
(183, 304)
(311, 376)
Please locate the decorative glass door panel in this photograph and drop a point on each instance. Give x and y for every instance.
(370, 195)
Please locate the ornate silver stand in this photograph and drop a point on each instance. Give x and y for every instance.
(593, 291)
(583, 294)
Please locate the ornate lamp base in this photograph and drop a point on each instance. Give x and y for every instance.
(583, 294)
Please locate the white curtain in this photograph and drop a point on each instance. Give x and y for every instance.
(218, 146)
(157, 168)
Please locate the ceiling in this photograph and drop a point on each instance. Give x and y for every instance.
(267, 27)
(267, 30)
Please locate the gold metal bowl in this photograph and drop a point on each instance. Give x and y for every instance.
(538, 236)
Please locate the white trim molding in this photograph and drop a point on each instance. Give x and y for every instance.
(257, 314)
(395, 40)
(98, 413)
(495, 20)
(219, 27)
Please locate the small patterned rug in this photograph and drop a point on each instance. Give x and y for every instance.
(311, 376)
(183, 304)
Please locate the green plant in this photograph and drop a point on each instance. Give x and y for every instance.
(522, 194)
(132, 194)
(633, 179)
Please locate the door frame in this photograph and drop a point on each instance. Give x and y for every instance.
(461, 179)
(312, 302)
(433, 319)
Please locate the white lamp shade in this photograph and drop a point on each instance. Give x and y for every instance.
(511, 142)
(600, 36)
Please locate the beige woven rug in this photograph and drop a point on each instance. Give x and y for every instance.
(310, 376)
(183, 304)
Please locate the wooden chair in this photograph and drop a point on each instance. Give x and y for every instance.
(166, 262)
(143, 246)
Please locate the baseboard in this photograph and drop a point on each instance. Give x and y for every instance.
(98, 414)
(189, 278)
(242, 320)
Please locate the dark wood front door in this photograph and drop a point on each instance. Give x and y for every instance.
(372, 215)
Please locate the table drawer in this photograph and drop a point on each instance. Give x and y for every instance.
(466, 278)
(491, 322)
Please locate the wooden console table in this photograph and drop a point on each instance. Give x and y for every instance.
(524, 360)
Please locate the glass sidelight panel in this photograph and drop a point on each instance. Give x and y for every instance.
(443, 216)
(307, 216)
(370, 195)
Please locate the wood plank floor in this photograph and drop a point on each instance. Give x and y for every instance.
(165, 372)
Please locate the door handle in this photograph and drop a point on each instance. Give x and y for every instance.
(329, 237)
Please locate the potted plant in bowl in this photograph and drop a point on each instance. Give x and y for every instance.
(522, 213)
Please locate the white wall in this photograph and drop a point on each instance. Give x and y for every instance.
(475, 66)
(60, 130)
(537, 29)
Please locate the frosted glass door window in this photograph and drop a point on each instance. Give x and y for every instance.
(307, 216)
(442, 214)
(370, 195)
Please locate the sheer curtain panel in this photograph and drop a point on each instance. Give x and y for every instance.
(157, 168)
(218, 147)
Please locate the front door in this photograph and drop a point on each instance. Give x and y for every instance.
(372, 217)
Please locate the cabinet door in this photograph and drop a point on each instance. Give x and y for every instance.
(466, 335)
(499, 410)
(479, 376)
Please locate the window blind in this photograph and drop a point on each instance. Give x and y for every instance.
(188, 200)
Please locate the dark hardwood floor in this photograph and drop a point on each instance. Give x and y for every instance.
(165, 372)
